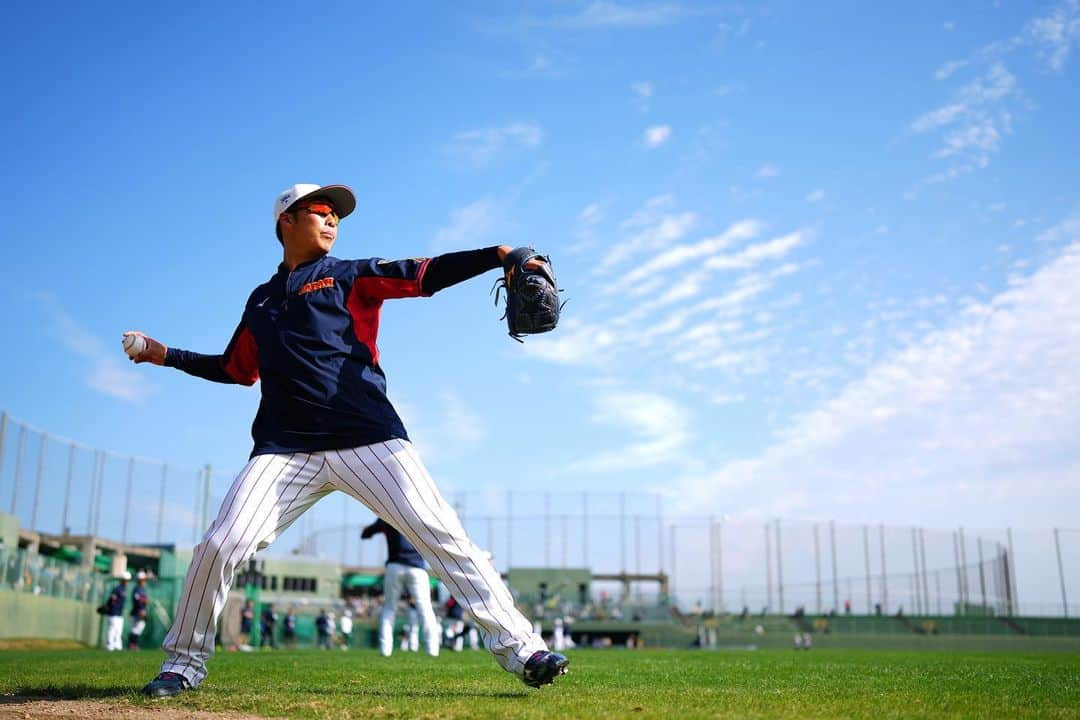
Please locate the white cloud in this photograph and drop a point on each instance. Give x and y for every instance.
(108, 372)
(946, 70)
(1055, 34)
(480, 147)
(657, 135)
(607, 14)
(651, 227)
(470, 226)
(767, 171)
(643, 89)
(575, 343)
(660, 429)
(754, 254)
(446, 427)
(972, 124)
(945, 430)
(815, 196)
(681, 254)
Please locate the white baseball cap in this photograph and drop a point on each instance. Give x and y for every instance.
(126, 575)
(340, 196)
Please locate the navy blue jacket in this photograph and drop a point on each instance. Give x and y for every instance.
(140, 601)
(310, 337)
(114, 606)
(398, 549)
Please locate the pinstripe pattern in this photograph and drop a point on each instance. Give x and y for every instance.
(268, 495)
(272, 491)
(391, 480)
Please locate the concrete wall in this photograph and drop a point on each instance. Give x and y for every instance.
(25, 615)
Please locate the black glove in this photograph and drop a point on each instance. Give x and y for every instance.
(532, 295)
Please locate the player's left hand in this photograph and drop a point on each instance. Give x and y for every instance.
(534, 264)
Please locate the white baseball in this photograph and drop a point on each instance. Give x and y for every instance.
(134, 344)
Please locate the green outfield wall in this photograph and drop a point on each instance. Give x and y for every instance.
(25, 615)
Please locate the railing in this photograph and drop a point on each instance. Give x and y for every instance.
(32, 573)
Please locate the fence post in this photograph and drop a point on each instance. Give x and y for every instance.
(37, 481)
(712, 562)
(565, 541)
(817, 571)
(1061, 573)
(866, 569)
(622, 532)
(779, 567)
(64, 528)
(90, 500)
(965, 597)
(916, 606)
(659, 535)
(1013, 598)
(768, 565)
(884, 573)
(18, 468)
(925, 586)
(720, 563)
(982, 573)
(637, 544)
(671, 582)
(835, 577)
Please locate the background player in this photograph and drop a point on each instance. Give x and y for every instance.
(114, 612)
(406, 571)
(140, 602)
(325, 424)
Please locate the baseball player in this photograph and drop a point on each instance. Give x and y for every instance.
(114, 610)
(325, 424)
(405, 571)
(140, 602)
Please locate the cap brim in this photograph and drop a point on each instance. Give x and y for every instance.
(340, 195)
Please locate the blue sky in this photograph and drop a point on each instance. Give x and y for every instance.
(821, 261)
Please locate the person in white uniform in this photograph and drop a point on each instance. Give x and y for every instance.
(405, 571)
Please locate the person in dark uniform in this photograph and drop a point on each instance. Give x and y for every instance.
(288, 627)
(140, 603)
(267, 624)
(247, 624)
(114, 611)
(322, 629)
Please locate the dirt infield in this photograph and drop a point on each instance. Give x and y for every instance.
(23, 708)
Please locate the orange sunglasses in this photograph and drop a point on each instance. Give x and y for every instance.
(319, 208)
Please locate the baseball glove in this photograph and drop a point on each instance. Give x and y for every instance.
(532, 295)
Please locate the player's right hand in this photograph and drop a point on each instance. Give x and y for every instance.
(154, 352)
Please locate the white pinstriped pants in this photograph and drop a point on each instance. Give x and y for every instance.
(272, 491)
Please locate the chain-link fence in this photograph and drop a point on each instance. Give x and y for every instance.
(637, 551)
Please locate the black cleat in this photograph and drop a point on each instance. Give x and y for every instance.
(542, 667)
(166, 684)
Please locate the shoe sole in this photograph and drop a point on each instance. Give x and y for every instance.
(560, 669)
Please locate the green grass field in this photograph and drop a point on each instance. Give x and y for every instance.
(670, 684)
